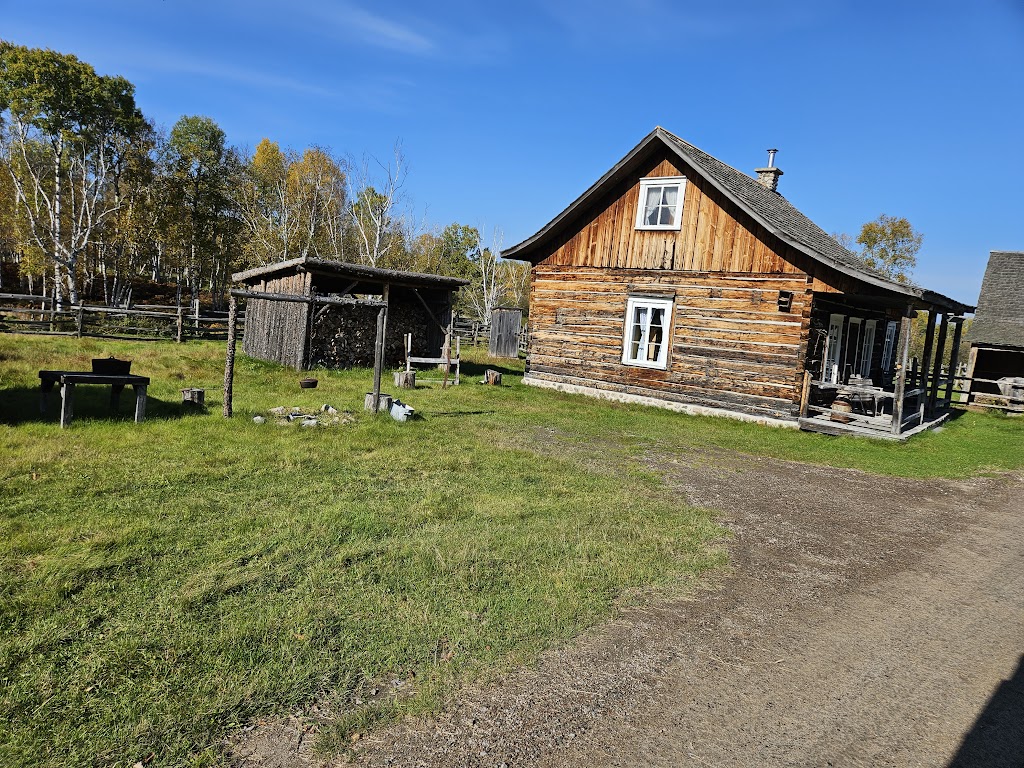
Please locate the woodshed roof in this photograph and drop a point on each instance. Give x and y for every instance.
(768, 208)
(343, 269)
(1000, 317)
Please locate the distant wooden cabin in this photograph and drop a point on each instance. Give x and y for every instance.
(997, 334)
(676, 280)
(334, 323)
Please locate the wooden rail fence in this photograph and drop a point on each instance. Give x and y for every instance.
(141, 323)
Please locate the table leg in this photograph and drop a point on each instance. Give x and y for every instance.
(45, 388)
(115, 396)
(67, 396)
(140, 402)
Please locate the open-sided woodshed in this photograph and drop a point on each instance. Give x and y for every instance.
(310, 312)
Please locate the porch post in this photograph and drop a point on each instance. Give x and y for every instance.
(940, 348)
(972, 361)
(901, 375)
(926, 359)
(954, 360)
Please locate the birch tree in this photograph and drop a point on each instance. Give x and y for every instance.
(486, 289)
(376, 197)
(65, 132)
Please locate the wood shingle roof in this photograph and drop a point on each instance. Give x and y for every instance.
(1000, 317)
(767, 207)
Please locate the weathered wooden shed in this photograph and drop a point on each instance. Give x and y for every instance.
(677, 280)
(324, 313)
(506, 324)
(997, 335)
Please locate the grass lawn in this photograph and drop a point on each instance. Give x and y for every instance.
(163, 584)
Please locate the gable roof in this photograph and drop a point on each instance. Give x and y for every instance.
(1000, 316)
(769, 209)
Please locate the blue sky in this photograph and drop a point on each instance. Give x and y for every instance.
(508, 111)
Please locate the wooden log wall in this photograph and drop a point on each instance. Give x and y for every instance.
(276, 330)
(731, 346)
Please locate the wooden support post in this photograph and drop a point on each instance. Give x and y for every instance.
(805, 394)
(67, 406)
(307, 349)
(447, 356)
(180, 324)
(378, 354)
(901, 375)
(229, 362)
(972, 361)
(940, 348)
(79, 319)
(926, 360)
(954, 360)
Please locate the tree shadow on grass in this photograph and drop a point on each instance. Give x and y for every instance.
(21, 405)
(477, 369)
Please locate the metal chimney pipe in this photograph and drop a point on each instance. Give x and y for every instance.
(771, 157)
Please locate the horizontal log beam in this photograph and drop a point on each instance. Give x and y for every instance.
(343, 301)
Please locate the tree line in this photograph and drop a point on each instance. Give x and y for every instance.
(96, 202)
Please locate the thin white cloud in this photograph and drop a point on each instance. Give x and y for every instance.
(374, 29)
(182, 63)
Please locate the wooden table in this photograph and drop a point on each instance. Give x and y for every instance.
(69, 379)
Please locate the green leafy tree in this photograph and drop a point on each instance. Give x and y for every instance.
(890, 245)
(66, 131)
(199, 170)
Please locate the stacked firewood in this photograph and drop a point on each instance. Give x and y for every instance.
(344, 337)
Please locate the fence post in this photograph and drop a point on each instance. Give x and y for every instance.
(181, 322)
(229, 362)
(79, 320)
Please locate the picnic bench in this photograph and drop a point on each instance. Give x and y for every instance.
(68, 380)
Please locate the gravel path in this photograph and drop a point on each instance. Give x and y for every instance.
(864, 621)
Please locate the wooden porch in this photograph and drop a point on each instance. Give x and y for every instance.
(919, 397)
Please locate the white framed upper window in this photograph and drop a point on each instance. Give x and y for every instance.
(661, 203)
(648, 326)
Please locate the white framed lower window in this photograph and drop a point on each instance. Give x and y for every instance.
(648, 327)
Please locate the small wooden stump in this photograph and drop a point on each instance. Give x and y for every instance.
(383, 404)
(493, 377)
(194, 396)
(405, 379)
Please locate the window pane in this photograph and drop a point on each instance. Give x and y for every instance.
(671, 195)
(655, 335)
(653, 197)
(651, 218)
(666, 216)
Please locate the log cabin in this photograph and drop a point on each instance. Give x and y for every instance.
(679, 281)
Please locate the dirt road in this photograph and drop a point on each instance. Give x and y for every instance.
(864, 621)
